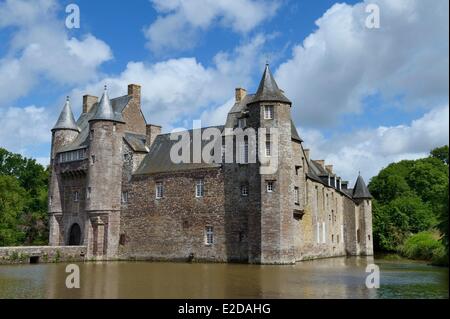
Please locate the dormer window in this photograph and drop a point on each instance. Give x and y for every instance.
(242, 123)
(268, 112)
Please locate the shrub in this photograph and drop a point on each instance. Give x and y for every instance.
(423, 245)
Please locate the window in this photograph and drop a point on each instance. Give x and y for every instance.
(297, 168)
(159, 191)
(244, 152)
(91, 135)
(199, 188)
(244, 190)
(114, 127)
(242, 123)
(268, 112)
(296, 195)
(209, 235)
(93, 159)
(268, 145)
(324, 233)
(124, 197)
(332, 238)
(88, 193)
(270, 186)
(358, 236)
(76, 196)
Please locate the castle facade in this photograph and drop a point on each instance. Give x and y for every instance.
(115, 188)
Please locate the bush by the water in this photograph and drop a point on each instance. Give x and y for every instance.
(425, 246)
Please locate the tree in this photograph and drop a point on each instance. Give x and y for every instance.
(33, 179)
(410, 197)
(441, 153)
(13, 199)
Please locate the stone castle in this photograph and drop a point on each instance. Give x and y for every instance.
(115, 189)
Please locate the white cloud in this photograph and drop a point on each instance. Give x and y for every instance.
(182, 88)
(21, 128)
(41, 48)
(343, 61)
(180, 21)
(370, 150)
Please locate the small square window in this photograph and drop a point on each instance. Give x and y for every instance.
(268, 112)
(199, 188)
(270, 186)
(242, 123)
(244, 190)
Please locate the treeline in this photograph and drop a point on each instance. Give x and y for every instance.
(23, 201)
(410, 207)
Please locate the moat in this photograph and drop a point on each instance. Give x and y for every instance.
(325, 278)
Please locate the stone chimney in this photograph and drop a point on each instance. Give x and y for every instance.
(329, 168)
(321, 163)
(240, 94)
(306, 153)
(134, 90)
(152, 131)
(88, 102)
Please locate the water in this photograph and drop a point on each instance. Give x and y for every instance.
(325, 278)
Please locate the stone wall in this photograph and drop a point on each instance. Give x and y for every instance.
(41, 254)
(173, 227)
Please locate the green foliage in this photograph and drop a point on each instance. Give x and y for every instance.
(441, 153)
(411, 197)
(12, 203)
(420, 246)
(23, 200)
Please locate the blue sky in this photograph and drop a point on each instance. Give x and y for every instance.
(362, 97)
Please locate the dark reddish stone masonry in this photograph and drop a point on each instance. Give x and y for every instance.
(107, 166)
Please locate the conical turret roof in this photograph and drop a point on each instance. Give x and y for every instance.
(66, 121)
(268, 90)
(105, 111)
(360, 191)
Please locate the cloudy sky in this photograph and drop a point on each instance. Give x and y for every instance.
(362, 97)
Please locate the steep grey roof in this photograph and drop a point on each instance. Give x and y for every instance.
(105, 110)
(136, 142)
(294, 133)
(318, 169)
(66, 121)
(360, 190)
(81, 141)
(268, 90)
(158, 159)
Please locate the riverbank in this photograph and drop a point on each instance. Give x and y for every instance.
(41, 254)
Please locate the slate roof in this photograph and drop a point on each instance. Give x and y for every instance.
(360, 191)
(105, 111)
(158, 159)
(136, 142)
(81, 141)
(268, 90)
(66, 120)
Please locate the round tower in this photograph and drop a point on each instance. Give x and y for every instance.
(272, 224)
(63, 133)
(363, 198)
(103, 193)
